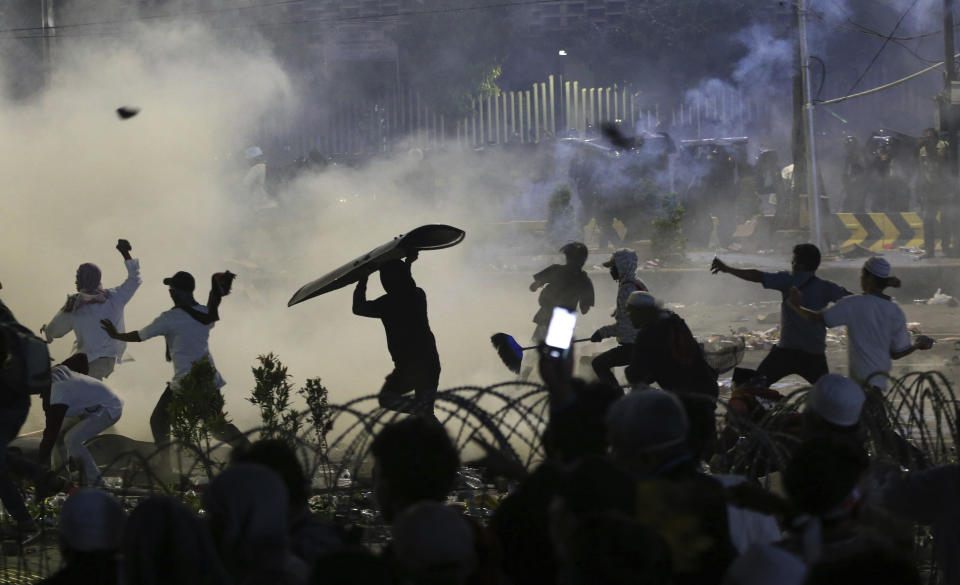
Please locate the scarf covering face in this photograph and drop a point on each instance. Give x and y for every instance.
(89, 287)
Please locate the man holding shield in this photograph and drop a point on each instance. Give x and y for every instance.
(403, 311)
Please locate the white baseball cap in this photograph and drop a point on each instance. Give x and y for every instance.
(837, 400)
(878, 267)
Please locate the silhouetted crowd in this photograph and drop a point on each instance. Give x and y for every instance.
(624, 493)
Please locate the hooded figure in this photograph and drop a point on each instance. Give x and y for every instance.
(247, 514)
(623, 269)
(403, 311)
(165, 543)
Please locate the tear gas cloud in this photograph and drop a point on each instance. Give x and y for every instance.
(77, 178)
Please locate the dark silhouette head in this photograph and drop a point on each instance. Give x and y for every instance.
(822, 475)
(281, 458)
(806, 257)
(414, 460)
(576, 254)
(395, 276)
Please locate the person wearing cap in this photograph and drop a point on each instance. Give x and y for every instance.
(186, 330)
(84, 310)
(802, 347)
(623, 269)
(833, 408)
(91, 531)
(648, 432)
(876, 326)
(82, 404)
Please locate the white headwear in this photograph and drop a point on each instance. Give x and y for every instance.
(765, 564)
(647, 420)
(837, 400)
(878, 267)
(91, 520)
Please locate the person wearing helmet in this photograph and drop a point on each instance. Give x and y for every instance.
(623, 268)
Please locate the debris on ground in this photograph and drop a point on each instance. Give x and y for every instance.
(912, 251)
(856, 251)
(769, 317)
(941, 299)
(760, 339)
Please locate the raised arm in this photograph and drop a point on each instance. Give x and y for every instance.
(125, 291)
(749, 275)
(361, 306)
(108, 326)
(794, 300)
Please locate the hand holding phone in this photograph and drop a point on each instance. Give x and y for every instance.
(560, 332)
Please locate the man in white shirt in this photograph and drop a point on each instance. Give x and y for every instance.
(91, 304)
(186, 329)
(82, 404)
(876, 326)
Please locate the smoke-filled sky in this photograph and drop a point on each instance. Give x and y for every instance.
(76, 178)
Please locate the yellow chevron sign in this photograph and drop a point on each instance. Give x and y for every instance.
(878, 231)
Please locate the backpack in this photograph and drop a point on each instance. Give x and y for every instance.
(25, 365)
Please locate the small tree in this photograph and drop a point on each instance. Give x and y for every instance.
(316, 395)
(668, 242)
(272, 395)
(196, 410)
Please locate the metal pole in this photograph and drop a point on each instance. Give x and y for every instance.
(813, 186)
(947, 123)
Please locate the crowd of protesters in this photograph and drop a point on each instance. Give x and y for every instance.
(624, 494)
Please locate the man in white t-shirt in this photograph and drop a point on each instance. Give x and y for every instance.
(186, 329)
(84, 310)
(876, 326)
(83, 405)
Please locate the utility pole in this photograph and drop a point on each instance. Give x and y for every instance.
(47, 25)
(947, 122)
(813, 185)
(788, 212)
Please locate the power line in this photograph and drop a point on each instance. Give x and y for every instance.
(882, 47)
(322, 20)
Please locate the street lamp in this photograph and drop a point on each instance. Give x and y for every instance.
(562, 53)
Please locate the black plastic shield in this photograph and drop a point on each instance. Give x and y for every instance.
(426, 237)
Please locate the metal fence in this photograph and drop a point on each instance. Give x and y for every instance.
(553, 107)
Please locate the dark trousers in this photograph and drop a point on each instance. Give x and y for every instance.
(12, 417)
(781, 362)
(420, 378)
(160, 425)
(604, 363)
